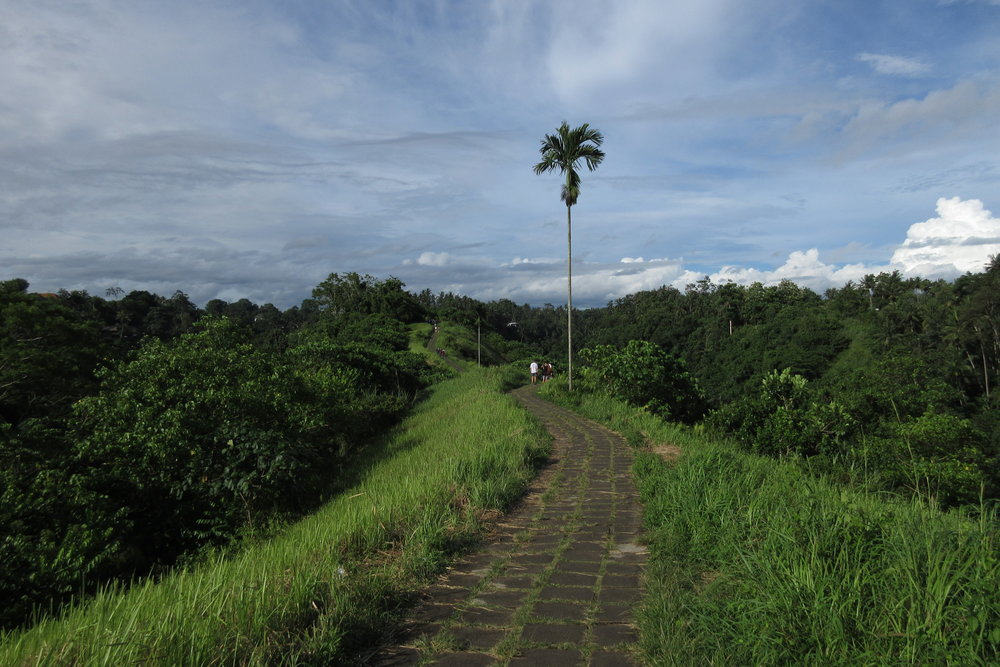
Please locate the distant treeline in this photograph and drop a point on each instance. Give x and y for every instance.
(891, 382)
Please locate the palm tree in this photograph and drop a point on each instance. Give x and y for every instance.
(565, 150)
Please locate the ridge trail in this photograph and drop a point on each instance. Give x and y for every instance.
(559, 579)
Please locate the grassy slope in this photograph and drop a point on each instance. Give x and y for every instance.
(460, 342)
(753, 562)
(420, 333)
(323, 591)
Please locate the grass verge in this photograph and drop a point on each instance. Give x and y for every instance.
(754, 562)
(324, 591)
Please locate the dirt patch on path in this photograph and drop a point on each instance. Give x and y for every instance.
(669, 453)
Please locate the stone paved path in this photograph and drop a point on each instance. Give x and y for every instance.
(558, 582)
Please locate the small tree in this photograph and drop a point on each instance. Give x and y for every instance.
(198, 434)
(644, 374)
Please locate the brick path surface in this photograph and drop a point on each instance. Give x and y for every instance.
(558, 581)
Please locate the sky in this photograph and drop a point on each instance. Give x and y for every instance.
(249, 148)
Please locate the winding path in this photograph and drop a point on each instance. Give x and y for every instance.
(558, 582)
(433, 349)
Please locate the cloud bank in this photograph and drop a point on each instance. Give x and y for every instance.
(961, 239)
(250, 149)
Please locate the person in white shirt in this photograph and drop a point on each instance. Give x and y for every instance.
(534, 372)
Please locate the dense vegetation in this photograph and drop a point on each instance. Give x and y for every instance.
(324, 590)
(755, 561)
(137, 430)
(890, 382)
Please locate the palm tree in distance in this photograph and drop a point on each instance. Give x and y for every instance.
(565, 150)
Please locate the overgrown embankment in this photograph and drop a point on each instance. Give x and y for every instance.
(322, 592)
(755, 562)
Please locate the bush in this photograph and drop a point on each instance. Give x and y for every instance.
(785, 418)
(59, 535)
(933, 455)
(645, 375)
(199, 435)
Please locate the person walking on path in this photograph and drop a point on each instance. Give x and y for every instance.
(534, 372)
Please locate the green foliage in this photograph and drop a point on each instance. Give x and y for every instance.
(785, 418)
(643, 374)
(322, 592)
(47, 357)
(804, 339)
(895, 386)
(354, 293)
(186, 440)
(197, 434)
(933, 455)
(56, 531)
(565, 151)
(59, 536)
(753, 563)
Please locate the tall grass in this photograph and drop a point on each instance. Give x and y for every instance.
(755, 562)
(322, 592)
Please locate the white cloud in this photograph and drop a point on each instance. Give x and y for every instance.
(894, 65)
(961, 239)
(598, 45)
(802, 267)
(966, 111)
(434, 259)
(397, 139)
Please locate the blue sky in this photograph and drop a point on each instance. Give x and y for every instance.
(249, 148)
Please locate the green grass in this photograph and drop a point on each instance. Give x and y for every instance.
(755, 563)
(322, 592)
(461, 344)
(420, 333)
(752, 561)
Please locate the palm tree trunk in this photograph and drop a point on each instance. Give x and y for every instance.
(569, 301)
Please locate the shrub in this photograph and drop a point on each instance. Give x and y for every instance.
(198, 435)
(785, 418)
(645, 375)
(936, 455)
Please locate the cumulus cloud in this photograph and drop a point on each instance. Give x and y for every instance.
(960, 239)
(802, 267)
(434, 259)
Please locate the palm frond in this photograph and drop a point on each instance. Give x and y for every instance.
(566, 150)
